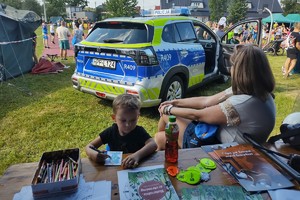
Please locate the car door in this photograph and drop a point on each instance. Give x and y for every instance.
(209, 42)
(244, 32)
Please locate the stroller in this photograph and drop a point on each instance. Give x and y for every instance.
(274, 48)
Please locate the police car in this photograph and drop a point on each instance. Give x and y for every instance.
(156, 58)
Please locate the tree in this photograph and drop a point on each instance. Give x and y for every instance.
(121, 8)
(78, 3)
(290, 6)
(32, 5)
(55, 8)
(217, 9)
(17, 4)
(237, 10)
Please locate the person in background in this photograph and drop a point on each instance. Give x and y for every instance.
(292, 50)
(63, 35)
(90, 28)
(77, 33)
(124, 135)
(73, 24)
(220, 32)
(246, 107)
(35, 59)
(52, 32)
(45, 35)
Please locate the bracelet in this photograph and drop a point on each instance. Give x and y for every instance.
(165, 110)
(169, 109)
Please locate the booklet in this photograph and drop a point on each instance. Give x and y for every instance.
(205, 192)
(146, 183)
(252, 171)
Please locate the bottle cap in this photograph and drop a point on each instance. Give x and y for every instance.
(172, 118)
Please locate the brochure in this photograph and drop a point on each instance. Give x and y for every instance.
(217, 192)
(146, 183)
(252, 171)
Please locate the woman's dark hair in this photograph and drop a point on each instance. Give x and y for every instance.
(77, 24)
(251, 72)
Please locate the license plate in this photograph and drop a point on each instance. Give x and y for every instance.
(111, 64)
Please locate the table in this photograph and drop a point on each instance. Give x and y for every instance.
(19, 175)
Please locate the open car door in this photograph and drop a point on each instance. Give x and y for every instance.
(244, 32)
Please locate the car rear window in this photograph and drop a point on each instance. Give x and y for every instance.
(121, 32)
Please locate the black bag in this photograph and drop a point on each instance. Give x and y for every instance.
(289, 130)
(289, 134)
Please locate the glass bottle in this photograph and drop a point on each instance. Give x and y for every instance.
(171, 131)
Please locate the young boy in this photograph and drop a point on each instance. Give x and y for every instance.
(124, 135)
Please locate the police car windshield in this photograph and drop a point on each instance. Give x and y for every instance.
(121, 32)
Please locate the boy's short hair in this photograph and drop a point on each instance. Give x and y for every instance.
(126, 101)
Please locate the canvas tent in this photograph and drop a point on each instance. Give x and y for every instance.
(277, 17)
(293, 17)
(16, 47)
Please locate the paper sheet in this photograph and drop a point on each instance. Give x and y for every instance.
(115, 158)
(86, 191)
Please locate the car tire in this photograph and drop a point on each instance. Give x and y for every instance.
(174, 89)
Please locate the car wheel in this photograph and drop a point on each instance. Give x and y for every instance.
(174, 89)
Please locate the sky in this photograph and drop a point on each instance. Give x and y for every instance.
(146, 4)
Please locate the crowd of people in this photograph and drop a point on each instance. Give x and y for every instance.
(60, 31)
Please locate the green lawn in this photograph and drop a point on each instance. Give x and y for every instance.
(41, 113)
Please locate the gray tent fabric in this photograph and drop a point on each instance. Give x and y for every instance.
(16, 45)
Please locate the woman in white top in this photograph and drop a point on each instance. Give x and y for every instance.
(246, 107)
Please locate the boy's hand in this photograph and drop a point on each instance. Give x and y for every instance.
(101, 157)
(130, 162)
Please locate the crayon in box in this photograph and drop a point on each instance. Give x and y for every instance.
(57, 172)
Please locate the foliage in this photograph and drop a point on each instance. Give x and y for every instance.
(121, 8)
(78, 3)
(32, 5)
(290, 6)
(237, 10)
(55, 8)
(17, 4)
(217, 9)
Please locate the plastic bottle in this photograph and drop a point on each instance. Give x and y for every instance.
(171, 131)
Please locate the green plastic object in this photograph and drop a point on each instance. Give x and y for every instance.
(192, 177)
(202, 169)
(208, 163)
(181, 176)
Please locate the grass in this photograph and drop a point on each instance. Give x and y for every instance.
(41, 113)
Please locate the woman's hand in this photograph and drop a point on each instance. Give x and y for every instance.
(130, 162)
(163, 105)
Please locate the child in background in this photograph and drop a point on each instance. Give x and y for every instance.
(124, 135)
(52, 32)
(45, 35)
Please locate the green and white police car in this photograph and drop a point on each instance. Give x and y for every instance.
(156, 58)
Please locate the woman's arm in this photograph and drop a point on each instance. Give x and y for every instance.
(211, 115)
(198, 102)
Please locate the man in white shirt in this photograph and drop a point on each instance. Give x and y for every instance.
(63, 35)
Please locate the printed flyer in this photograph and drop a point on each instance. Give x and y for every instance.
(148, 183)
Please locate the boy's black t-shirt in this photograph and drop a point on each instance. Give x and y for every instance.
(130, 143)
